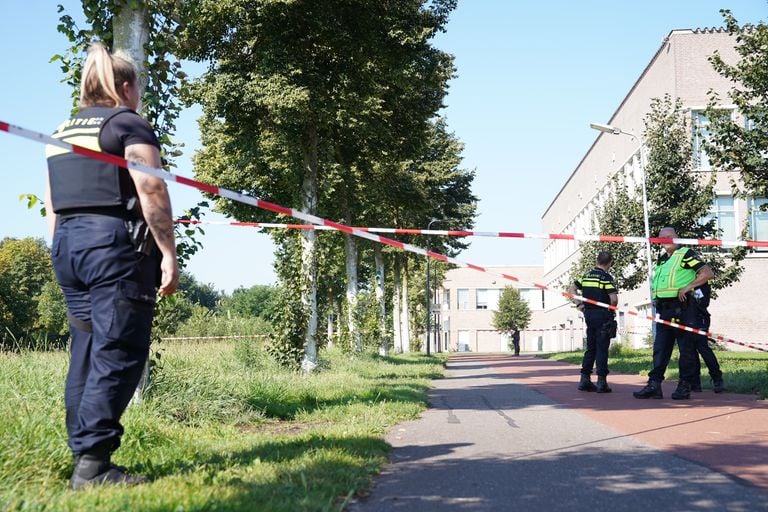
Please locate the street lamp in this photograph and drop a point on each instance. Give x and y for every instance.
(613, 130)
(429, 299)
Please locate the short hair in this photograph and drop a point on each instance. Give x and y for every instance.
(103, 74)
(604, 258)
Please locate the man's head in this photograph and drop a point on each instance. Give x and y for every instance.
(605, 259)
(669, 233)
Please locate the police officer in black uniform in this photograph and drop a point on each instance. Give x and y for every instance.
(598, 285)
(112, 245)
(701, 298)
(679, 272)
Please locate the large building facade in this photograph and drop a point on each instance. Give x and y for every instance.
(681, 69)
(468, 300)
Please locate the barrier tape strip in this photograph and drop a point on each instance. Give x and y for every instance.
(313, 219)
(502, 234)
(190, 338)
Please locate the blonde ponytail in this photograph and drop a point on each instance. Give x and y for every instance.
(103, 76)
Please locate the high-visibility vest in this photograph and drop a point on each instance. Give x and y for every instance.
(669, 277)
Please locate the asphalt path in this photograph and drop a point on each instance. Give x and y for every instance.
(505, 433)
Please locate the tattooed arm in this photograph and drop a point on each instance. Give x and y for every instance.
(156, 207)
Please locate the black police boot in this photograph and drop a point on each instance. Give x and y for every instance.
(683, 391)
(585, 384)
(696, 385)
(718, 385)
(602, 384)
(651, 390)
(96, 469)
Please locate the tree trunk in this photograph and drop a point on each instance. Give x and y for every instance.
(350, 253)
(329, 321)
(378, 259)
(309, 250)
(405, 315)
(397, 323)
(131, 34)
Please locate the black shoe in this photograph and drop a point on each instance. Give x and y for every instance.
(602, 384)
(651, 390)
(585, 384)
(683, 391)
(718, 385)
(93, 470)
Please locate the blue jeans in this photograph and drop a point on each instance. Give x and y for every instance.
(110, 293)
(598, 341)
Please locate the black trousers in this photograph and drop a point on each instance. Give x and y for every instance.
(707, 354)
(666, 336)
(598, 341)
(109, 288)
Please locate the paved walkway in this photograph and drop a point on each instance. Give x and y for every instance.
(507, 433)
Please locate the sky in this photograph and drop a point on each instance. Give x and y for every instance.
(531, 76)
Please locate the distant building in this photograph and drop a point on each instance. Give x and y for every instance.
(468, 300)
(679, 68)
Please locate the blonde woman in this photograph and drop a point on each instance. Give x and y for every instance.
(112, 246)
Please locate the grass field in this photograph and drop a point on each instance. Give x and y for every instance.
(743, 372)
(221, 429)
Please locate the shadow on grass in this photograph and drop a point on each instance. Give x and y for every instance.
(287, 407)
(311, 472)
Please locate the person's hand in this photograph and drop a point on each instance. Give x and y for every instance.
(169, 280)
(682, 294)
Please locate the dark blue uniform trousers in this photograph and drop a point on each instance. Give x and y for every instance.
(111, 287)
(666, 336)
(598, 341)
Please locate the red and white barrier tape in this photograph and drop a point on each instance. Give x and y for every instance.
(265, 205)
(500, 234)
(196, 338)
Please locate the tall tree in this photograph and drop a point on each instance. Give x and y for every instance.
(677, 197)
(299, 87)
(513, 313)
(742, 145)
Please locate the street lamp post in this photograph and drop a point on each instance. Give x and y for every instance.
(429, 299)
(606, 128)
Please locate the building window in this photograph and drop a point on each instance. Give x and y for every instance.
(462, 298)
(700, 124)
(534, 297)
(723, 211)
(446, 299)
(487, 298)
(758, 219)
(482, 298)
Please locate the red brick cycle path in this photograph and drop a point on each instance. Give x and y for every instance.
(726, 432)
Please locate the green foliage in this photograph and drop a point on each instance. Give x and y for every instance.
(160, 101)
(204, 322)
(198, 293)
(291, 314)
(256, 301)
(621, 215)
(513, 313)
(215, 433)
(741, 145)
(52, 311)
(677, 197)
(25, 270)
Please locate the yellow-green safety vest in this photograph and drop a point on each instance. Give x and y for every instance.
(669, 277)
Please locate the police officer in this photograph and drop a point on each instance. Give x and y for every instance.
(678, 273)
(516, 340)
(702, 298)
(112, 245)
(598, 285)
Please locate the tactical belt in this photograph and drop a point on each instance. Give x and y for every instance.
(110, 211)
